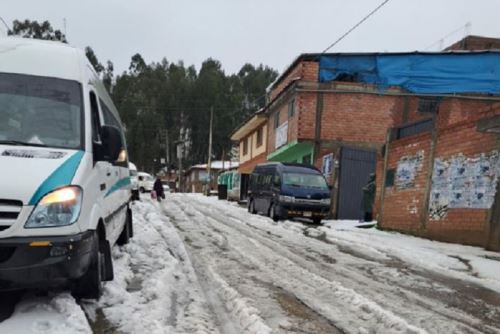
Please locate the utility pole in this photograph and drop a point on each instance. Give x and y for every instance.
(167, 152)
(209, 165)
(180, 152)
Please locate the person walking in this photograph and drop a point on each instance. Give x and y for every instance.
(158, 189)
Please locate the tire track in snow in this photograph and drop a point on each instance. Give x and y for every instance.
(425, 306)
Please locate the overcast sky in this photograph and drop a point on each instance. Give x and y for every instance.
(272, 32)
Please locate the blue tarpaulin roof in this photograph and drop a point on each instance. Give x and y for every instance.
(426, 73)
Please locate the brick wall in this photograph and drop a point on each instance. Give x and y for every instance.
(402, 207)
(293, 123)
(456, 135)
(304, 70)
(248, 167)
(475, 43)
(358, 117)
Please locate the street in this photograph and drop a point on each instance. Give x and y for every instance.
(199, 265)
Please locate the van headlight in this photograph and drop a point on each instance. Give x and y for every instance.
(326, 201)
(58, 208)
(287, 199)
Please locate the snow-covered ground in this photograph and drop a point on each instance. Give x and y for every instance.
(200, 265)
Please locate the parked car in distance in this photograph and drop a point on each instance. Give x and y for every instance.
(134, 181)
(64, 176)
(146, 182)
(166, 187)
(288, 190)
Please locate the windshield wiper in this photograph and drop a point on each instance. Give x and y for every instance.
(21, 143)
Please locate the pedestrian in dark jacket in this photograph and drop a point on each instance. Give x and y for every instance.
(158, 188)
(369, 198)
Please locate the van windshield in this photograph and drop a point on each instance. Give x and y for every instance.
(304, 180)
(40, 111)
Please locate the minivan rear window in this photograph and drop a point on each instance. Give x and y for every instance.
(40, 111)
(304, 180)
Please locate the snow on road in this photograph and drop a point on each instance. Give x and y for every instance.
(57, 314)
(349, 286)
(199, 265)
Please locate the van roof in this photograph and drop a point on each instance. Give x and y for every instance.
(298, 167)
(41, 58)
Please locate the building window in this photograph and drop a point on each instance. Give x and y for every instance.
(389, 178)
(245, 146)
(259, 137)
(428, 104)
(291, 108)
(277, 120)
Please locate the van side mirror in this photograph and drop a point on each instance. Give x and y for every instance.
(112, 143)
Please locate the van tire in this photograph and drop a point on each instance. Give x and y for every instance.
(124, 237)
(89, 286)
(251, 207)
(142, 190)
(316, 221)
(272, 213)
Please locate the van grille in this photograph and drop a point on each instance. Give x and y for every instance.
(9, 211)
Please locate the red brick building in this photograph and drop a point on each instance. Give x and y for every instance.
(339, 126)
(337, 115)
(438, 177)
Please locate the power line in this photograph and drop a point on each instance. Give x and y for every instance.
(355, 26)
(465, 28)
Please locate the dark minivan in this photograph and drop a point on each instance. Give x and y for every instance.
(287, 190)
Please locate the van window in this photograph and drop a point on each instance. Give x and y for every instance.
(41, 111)
(96, 124)
(109, 118)
(304, 180)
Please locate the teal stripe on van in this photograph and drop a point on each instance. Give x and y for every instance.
(62, 176)
(118, 185)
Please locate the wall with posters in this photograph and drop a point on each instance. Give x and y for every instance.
(463, 182)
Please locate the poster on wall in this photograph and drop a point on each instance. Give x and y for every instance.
(462, 182)
(281, 135)
(407, 169)
(326, 167)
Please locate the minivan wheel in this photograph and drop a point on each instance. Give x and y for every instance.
(142, 190)
(89, 286)
(272, 213)
(316, 221)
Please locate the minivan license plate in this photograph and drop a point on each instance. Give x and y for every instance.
(308, 214)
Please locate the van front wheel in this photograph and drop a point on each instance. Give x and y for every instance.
(90, 285)
(272, 213)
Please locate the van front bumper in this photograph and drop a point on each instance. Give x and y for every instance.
(292, 210)
(44, 262)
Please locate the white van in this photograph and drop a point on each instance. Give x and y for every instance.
(146, 182)
(64, 177)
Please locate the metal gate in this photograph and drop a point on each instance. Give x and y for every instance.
(356, 165)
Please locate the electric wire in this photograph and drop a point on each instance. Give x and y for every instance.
(355, 26)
